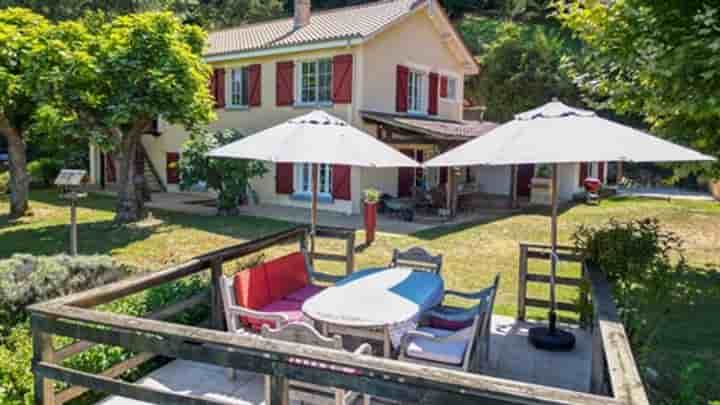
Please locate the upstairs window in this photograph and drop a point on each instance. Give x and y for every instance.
(240, 87)
(315, 81)
(417, 92)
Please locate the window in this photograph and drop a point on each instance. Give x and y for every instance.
(303, 178)
(452, 88)
(239, 87)
(416, 92)
(315, 82)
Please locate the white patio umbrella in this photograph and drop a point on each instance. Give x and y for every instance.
(556, 133)
(315, 138)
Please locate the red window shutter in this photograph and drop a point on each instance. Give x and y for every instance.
(284, 178)
(443, 86)
(219, 87)
(341, 182)
(601, 171)
(212, 86)
(433, 94)
(342, 78)
(110, 174)
(172, 173)
(401, 92)
(443, 175)
(583, 173)
(284, 84)
(255, 80)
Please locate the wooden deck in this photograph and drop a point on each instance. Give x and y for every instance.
(511, 357)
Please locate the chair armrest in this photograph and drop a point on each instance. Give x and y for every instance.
(364, 348)
(269, 316)
(482, 294)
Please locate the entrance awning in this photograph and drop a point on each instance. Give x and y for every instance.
(429, 130)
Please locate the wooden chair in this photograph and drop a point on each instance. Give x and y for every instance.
(417, 258)
(303, 333)
(461, 349)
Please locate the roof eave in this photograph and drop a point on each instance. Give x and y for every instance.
(308, 46)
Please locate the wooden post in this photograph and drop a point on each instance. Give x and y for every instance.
(513, 186)
(350, 253)
(279, 391)
(620, 173)
(73, 226)
(313, 219)
(522, 282)
(43, 352)
(216, 304)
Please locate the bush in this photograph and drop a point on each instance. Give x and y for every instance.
(16, 379)
(27, 279)
(44, 171)
(4, 183)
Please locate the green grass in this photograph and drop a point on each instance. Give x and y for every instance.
(473, 254)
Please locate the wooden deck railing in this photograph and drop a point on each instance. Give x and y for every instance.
(73, 316)
(613, 369)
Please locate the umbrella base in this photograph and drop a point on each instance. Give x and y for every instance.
(556, 340)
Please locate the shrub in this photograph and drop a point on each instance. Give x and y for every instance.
(4, 182)
(43, 171)
(16, 379)
(26, 279)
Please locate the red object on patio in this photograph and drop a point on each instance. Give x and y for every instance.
(370, 222)
(592, 185)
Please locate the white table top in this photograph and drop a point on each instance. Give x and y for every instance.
(376, 297)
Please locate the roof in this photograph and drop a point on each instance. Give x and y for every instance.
(342, 24)
(447, 130)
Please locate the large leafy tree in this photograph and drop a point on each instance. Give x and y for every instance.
(137, 67)
(521, 69)
(23, 35)
(656, 59)
(229, 177)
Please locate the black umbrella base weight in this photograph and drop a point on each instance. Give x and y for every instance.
(551, 338)
(557, 341)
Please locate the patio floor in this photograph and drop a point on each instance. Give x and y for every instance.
(511, 357)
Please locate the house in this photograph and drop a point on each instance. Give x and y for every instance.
(394, 68)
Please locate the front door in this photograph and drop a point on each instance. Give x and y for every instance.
(406, 176)
(524, 177)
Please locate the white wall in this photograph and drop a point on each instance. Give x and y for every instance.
(493, 179)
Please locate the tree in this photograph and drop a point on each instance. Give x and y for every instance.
(521, 69)
(21, 33)
(136, 68)
(659, 60)
(230, 177)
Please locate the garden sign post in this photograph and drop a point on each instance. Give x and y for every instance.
(69, 182)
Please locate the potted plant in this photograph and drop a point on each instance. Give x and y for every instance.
(372, 197)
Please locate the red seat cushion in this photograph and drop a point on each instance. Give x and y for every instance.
(251, 288)
(290, 308)
(286, 275)
(447, 324)
(304, 293)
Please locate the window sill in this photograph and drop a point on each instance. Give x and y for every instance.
(323, 198)
(312, 105)
(237, 107)
(417, 113)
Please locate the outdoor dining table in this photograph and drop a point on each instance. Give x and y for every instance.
(376, 303)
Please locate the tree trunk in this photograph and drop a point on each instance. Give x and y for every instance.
(130, 204)
(19, 178)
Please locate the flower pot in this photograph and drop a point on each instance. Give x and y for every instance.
(715, 189)
(370, 214)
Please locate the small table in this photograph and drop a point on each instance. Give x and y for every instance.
(377, 303)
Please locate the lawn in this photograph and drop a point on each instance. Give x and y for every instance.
(473, 254)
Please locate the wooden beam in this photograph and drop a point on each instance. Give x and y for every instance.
(543, 278)
(376, 376)
(43, 353)
(350, 253)
(217, 315)
(533, 254)
(522, 282)
(538, 303)
(116, 387)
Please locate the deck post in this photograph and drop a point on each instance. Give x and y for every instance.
(522, 282)
(279, 392)
(43, 352)
(350, 252)
(216, 304)
(513, 186)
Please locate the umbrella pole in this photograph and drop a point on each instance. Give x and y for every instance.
(552, 317)
(551, 338)
(313, 210)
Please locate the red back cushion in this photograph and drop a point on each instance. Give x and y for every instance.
(251, 288)
(286, 275)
